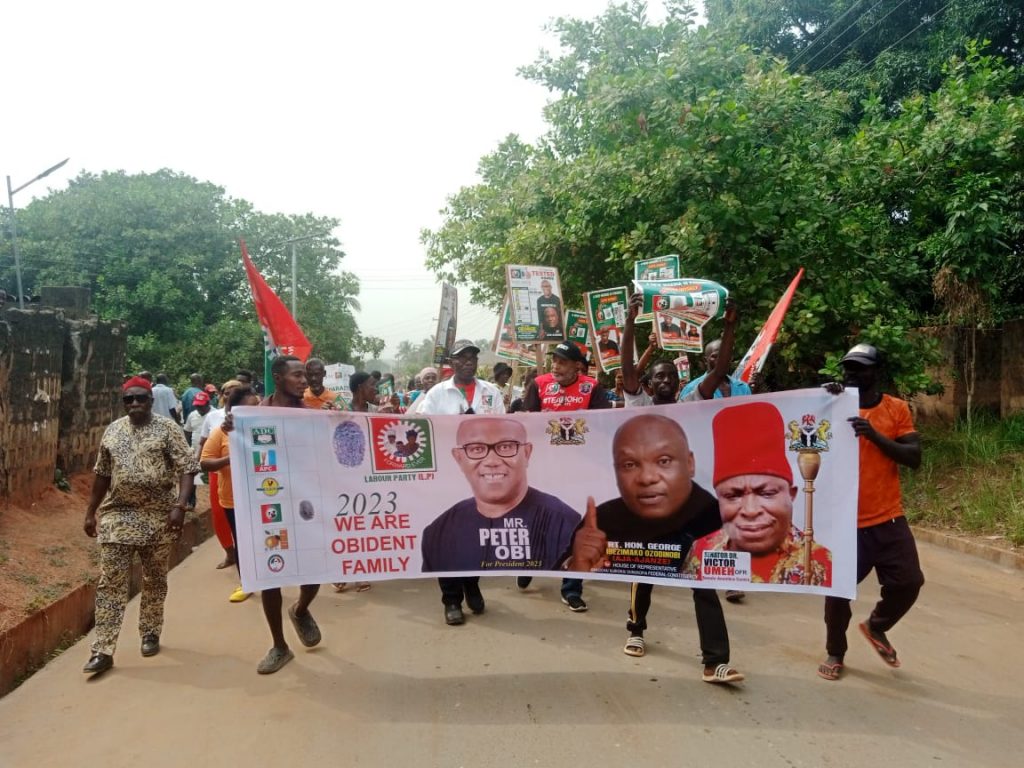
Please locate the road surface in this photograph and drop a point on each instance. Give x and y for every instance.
(531, 684)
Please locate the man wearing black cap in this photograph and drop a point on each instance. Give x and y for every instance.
(565, 389)
(888, 439)
(463, 393)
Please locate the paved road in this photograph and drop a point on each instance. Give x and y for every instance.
(531, 684)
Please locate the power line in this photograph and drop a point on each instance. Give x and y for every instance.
(927, 20)
(864, 33)
(823, 35)
(838, 37)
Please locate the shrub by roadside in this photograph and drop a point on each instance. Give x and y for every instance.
(971, 481)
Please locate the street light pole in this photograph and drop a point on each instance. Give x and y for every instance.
(292, 241)
(14, 226)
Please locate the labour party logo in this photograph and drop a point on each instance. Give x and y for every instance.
(401, 445)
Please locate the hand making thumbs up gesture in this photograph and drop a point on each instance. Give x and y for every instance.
(590, 544)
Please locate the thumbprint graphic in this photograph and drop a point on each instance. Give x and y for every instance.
(306, 510)
(349, 444)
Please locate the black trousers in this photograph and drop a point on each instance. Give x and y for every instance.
(889, 548)
(453, 589)
(714, 635)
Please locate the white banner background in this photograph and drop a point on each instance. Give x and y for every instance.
(304, 517)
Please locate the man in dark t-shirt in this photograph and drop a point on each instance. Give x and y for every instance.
(506, 524)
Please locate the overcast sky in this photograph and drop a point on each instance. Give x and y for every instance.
(372, 113)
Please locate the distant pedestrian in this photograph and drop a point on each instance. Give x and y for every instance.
(143, 475)
(195, 387)
(165, 402)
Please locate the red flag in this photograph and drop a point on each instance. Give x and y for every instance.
(281, 334)
(754, 360)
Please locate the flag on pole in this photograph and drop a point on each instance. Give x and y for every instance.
(756, 356)
(281, 334)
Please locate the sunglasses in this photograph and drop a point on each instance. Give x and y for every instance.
(129, 399)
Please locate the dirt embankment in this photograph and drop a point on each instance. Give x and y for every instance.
(44, 553)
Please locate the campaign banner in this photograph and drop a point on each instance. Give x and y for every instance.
(661, 268)
(681, 309)
(336, 380)
(505, 344)
(447, 320)
(535, 298)
(606, 311)
(755, 493)
(577, 330)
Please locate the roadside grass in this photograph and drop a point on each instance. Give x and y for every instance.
(971, 482)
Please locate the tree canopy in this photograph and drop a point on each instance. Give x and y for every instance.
(666, 139)
(160, 250)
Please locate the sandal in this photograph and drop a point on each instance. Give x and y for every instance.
(305, 627)
(635, 646)
(723, 673)
(881, 645)
(829, 671)
(363, 586)
(340, 586)
(274, 660)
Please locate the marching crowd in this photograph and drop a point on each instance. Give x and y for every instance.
(148, 461)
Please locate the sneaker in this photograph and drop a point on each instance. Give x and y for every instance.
(274, 660)
(305, 627)
(239, 595)
(575, 603)
(523, 582)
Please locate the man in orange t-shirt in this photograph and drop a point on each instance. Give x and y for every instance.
(884, 542)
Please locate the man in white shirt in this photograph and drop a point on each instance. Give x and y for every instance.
(165, 402)
(463, 393)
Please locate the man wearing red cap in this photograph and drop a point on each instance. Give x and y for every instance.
(144, 474)
(754, 484)
(565, 388)
(885, 543)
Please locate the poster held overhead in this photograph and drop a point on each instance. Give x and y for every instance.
(505, 344)
(681, 307)
(535, 298)
(447, 320)
(660, 268)
(606, 311)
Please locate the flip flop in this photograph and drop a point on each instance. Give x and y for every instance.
(885, 651)
(830, 671)
(363, 586)
(635, 646)
(340, 586)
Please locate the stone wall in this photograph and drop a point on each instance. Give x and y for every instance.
(58, 390)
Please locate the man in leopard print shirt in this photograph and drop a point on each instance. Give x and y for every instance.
(144, 475)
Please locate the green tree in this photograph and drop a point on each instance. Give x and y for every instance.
(664, 139)
(160, 250)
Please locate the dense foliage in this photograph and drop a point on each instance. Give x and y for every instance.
(666, 139)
